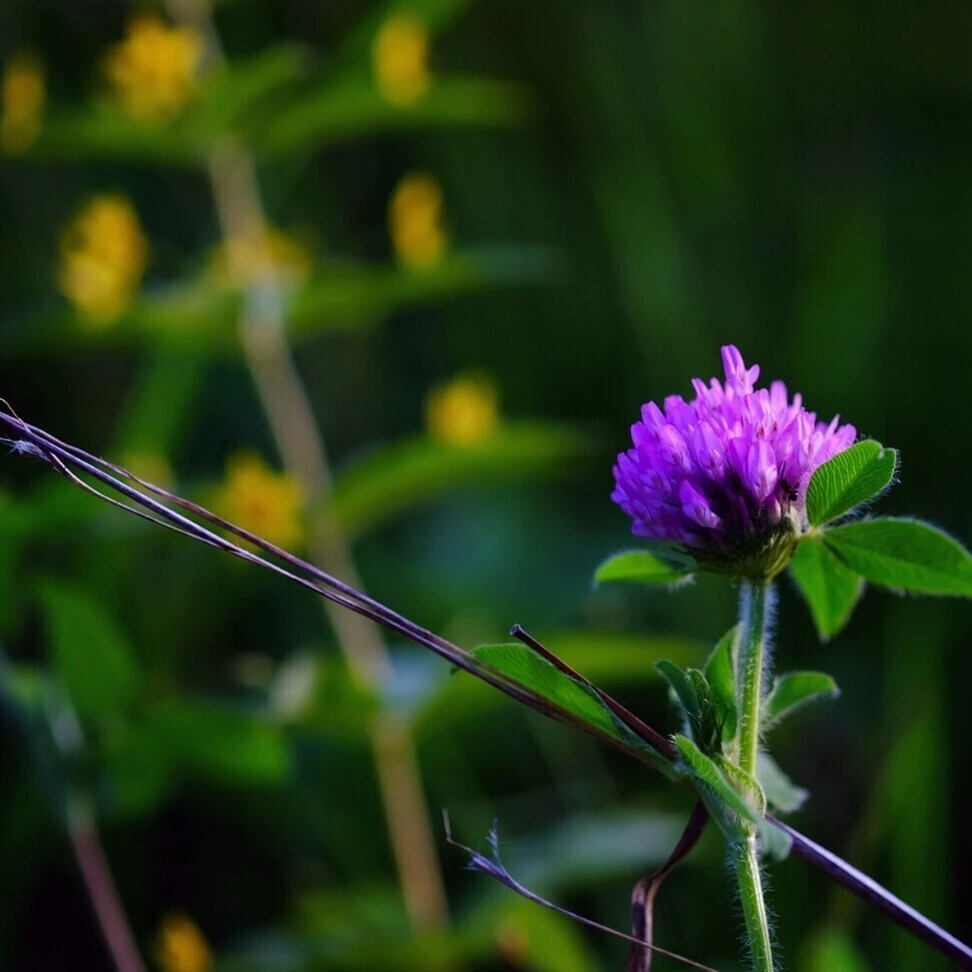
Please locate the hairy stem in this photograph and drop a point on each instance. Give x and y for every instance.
(755, 605)
(284, 399)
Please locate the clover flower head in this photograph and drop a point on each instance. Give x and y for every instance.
(725, 475)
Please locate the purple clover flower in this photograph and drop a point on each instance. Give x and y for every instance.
(725, 475)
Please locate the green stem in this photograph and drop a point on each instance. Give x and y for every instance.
(754, 603)
(756, 599)
(754, 905)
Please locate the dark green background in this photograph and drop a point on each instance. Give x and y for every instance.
(790, 178)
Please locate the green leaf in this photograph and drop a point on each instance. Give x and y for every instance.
(831, 590)
(715, 783)
(607, 658)
(394, 478)
(904, 554)
(781, 792)
(527, 667)
(796, 689)
(719, 673)
(643, 567)
(90, 653)
(851, 478)
(524, 666)
(683, 686)
(353, 296)
(329, 113)
(219, 743)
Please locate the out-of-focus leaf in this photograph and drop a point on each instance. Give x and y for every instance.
(830, 589)
(591, 848)
(220, 743)
(249, 86)
(355, 109)
(349, 297)
(139, 768)
(781, 792)
(102, 133)
(525, 936)
(90, 653)
(643, 567)
(849, 479)
(904, 554)
(831, 949)
(392, 479)
(795, 689)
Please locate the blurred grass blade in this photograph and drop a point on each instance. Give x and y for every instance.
(397, 477)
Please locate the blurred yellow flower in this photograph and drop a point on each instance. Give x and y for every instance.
(103, 257)
(244, 260)
(262, 501)
(418, 235)
(400, 59)
(181, 946)
(152, 72)
(22, 94)
(465, 412)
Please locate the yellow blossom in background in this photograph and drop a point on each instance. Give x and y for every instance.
(465, 412)
(181, 946)
(244, 260)
(418, 234)
(400, 59)
(22, 95)
(260, 500)
(103, 258)
(152, 72)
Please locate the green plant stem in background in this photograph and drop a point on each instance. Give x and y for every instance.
(100, 885)
(291, 418)
(755, 604)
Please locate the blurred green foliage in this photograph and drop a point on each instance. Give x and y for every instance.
(625, 187)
